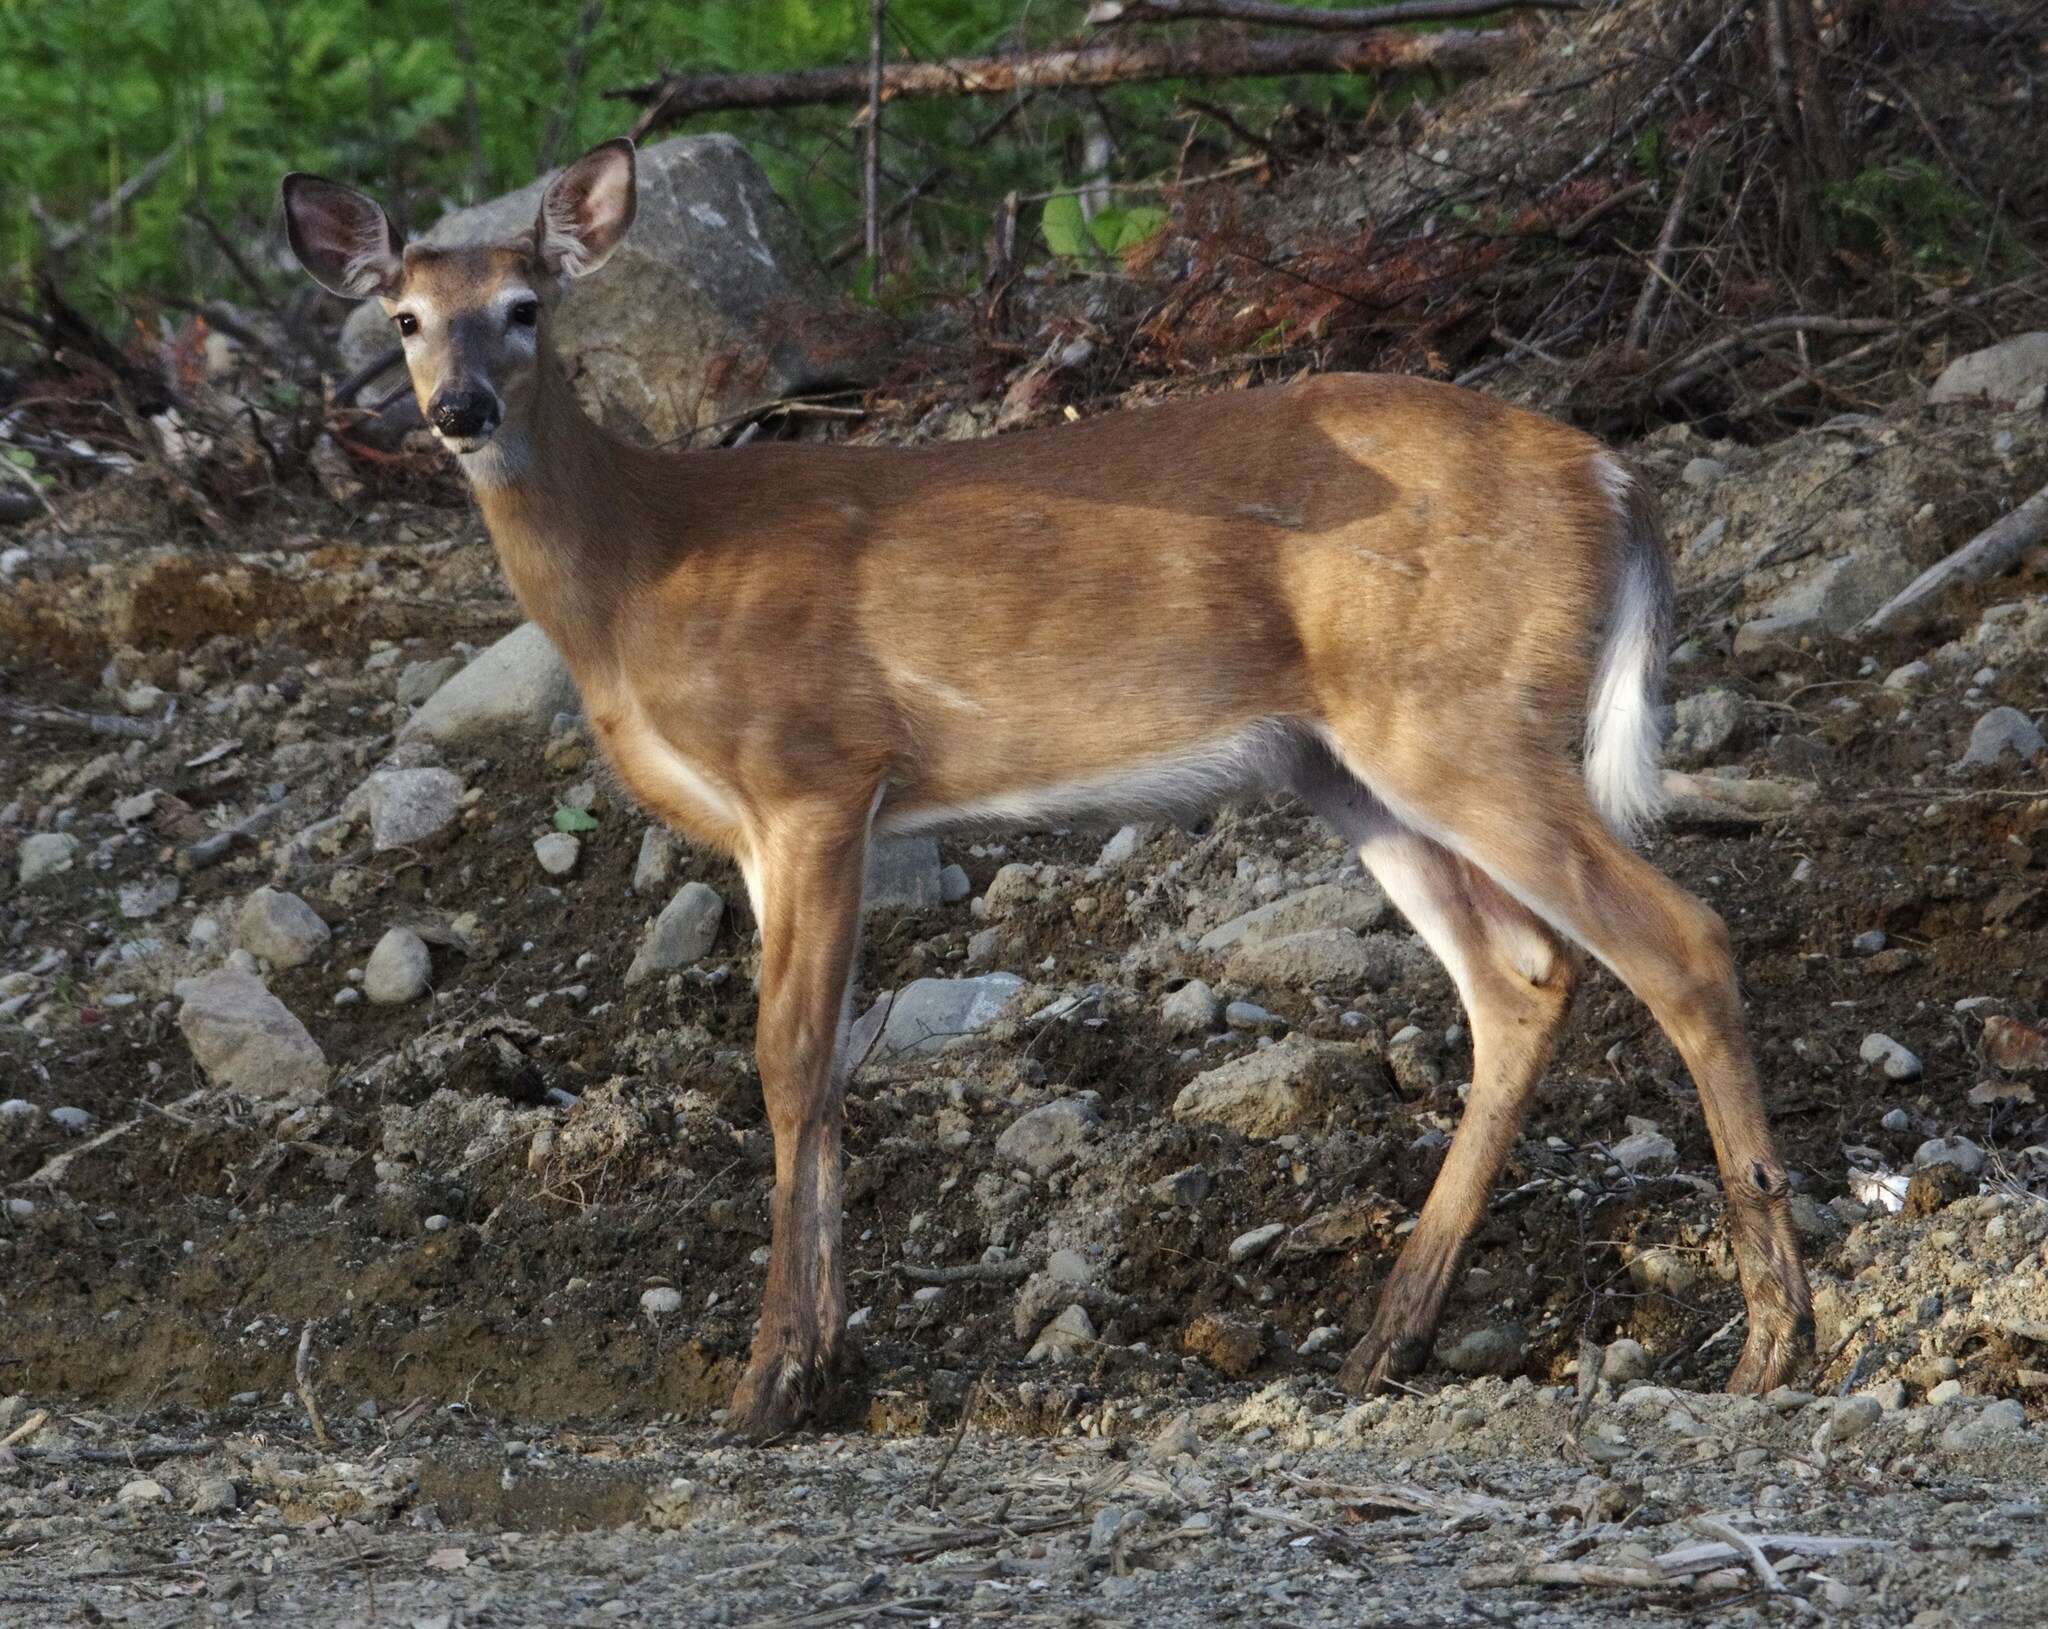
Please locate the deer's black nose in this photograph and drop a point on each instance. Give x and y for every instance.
(464, 412)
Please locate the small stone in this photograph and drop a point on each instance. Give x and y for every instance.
(1191, 1010)
(1704, 727)
(1934, 1189)
(436, 1223)
(1230, 1346)
(408, 808)
(1868, 944)
(1274, 1091)
(1069, 1267)
(660, 1301)
(142, 1491)
(1247, 1245)
(681, 935)
(1122, 847)
(903, 874)
(1644, 1150)
(281, 928)
(1907, 676)
(247, 1040)
(954, 885)
(141, 901)
(1948, 1391)
(1176, 1437)
(47, 854)
(929, 1016)
(1702, 472)
(214, 1496)
(1187, 1187)
(1847, 1419)
(1960, 1152)
(1674, 1272)
(1625, 1361)
(398, 969)
(2002, 730)
(68, 1118)
(557, 852)
(1249, 1015)
(1070, 1335)
(2013, 1046)
(656, 860)
(1050, 1136)
(417, 681)
(1497, 1349)
(1896, 1120)
(1883, 1053)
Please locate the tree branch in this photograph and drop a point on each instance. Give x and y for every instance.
(1272, 14)
(674, 97)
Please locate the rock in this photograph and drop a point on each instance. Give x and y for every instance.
(1273, 1091)
(71, 1119)
(930, 1015)
(1868, 944)
(1359, 907)
(2002, 730)
(407, 808)
(1247, 1245)
(2013, 1046)
(1049, 1136)
(1906, 676)
(954, 885)
(1494, 1349)
(1702, 472)
(557, 852)
(1624, 1361)
(1999, 374)
(1411, 1056)
(1703, 727)
(1121, 847)
(1832, 598)
(1944, 1392)
(1191, 1010)
(140, 901)
(1321, 956)
(1069, 1267)
(1176, 1437)
(142, 1491)
(1990, 1427)
(1848, 1419)
(281, 928)
(984, 946)
(1230, 1346)
(1643, 1150)
(1674, 1272)
(656, 860)
(1960, 1152)
(711, 305)
(683, 933)
(660, 1301)
(246, 1040)
(419, 680)
(1883, 1053)
(398, 969)
(1249, 1015)
(1187, 1187)
(1070, 1335)
(514, 688)
(47, 854)
(1934, 1188)
(214, 1496)
(903, 874)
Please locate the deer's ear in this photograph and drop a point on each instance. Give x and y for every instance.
(586, 210)
(344, 240)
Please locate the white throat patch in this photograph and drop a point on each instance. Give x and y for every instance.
(505, 458)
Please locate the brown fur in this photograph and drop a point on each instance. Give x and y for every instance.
(780, 645)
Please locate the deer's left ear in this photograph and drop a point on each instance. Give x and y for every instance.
(344, 240)
(586, 210)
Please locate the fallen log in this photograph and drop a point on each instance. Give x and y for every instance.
(1985, 555)
(674, 97)
(1274, 14)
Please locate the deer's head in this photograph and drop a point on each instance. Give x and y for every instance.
(472, 321)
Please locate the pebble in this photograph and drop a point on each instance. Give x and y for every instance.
(71, 1119)
(660, 1301)
(681, 935)
(1247, 1245)
(281, 928)
(1070, 1335)
(1122, 847)
(557, 852)
(214, 1496)
(1495, 1349)
(1884, 1053)
(954, 885)
(1946, 1391)
(47, 854)
(656, 860)
(1960, 1152)
(1191, 1010)
(2002, 730)
(1050, 1136)
(398, 969)
(1868, 944)
(407, 808)
(1249, 1015)
(1643, 1150)
(1624, 1361)
(142, 1491)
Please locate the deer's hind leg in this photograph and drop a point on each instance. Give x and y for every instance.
(1515, 977)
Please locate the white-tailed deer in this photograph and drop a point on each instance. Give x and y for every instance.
(1439, 620)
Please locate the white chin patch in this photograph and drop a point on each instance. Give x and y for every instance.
(501, 459)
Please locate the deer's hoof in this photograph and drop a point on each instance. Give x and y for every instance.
(1776, 1354)
(1381, 1357)
(788, 1382)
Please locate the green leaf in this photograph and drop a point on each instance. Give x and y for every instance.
(1121, 229)
(568, 819)
(1066, 233)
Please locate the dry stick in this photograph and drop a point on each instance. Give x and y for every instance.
(967, 1408)
(68, 718)
(65, 237)
(1331, 21)
(1984, 556)
(674, 97)
(1693, 367)
(28, 1428)
(302, 1375)
(1714, 1527)
(871, 158)
(572, 85)
(901, 206)
(472, 120)
(1660, 257)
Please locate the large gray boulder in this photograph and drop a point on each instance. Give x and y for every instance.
(1999, 374)
(713, 303)
(246, 1040)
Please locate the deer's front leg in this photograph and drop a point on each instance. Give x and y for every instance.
(811, 872)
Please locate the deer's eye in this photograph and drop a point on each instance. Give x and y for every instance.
(408, 324)
(525, 313)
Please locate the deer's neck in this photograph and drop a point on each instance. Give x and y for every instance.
(572, 513)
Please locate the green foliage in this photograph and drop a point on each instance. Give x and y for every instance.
(1908, 209)
(576, 820)
(379, 93)
(1112, 231)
